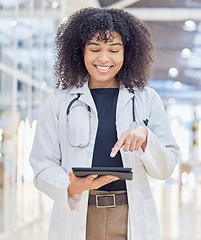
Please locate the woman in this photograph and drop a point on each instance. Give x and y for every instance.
(104, 116)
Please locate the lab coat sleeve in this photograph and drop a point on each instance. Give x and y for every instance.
(161, 153)
(45, 157)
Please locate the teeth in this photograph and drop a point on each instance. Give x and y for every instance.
(102, 68)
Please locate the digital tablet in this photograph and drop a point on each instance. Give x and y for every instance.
(122, 173)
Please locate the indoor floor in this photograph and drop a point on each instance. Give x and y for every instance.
(179, 212)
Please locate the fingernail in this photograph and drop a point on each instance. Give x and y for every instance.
(114, 178)
(112, 154)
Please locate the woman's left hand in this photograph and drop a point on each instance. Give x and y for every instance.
(131, 140)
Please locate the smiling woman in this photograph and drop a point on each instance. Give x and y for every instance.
(104, 116)
(106, 24)
(103, 60)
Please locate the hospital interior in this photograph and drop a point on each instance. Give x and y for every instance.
(27, 32)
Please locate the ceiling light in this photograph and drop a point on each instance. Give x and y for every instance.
(177, 85)
(173, 72)
(55, 5)
(186, 53)
(13, 23)
(172, 101)
(190, 26)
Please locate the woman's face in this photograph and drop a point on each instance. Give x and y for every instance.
(103, 61)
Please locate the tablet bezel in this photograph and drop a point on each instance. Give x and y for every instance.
(122, 173)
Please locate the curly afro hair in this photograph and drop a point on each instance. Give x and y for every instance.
(80, 27)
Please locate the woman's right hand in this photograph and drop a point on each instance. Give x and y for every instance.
(78, 185)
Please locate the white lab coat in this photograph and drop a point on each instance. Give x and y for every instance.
(52, 157)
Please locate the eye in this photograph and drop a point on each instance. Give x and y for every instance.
(93, 50)
(113, 51)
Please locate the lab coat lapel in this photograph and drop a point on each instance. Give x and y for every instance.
(123, 98)
(86, 96)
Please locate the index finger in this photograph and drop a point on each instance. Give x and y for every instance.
(118, 145)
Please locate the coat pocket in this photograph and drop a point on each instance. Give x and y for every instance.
(139, 162)
(151, 220)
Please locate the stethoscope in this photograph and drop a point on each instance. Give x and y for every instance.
(86, 143)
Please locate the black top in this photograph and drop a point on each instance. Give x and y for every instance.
(106, 101)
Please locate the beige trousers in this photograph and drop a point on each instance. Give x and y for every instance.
(108, 223)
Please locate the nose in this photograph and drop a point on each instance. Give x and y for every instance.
(104, 57)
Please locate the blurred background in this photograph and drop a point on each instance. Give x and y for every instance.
(27, 32)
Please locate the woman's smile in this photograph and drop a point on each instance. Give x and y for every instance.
(103, 69)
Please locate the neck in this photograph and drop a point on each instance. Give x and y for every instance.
(103, 84)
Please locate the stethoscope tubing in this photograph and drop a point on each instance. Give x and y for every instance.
(89, 108)
(134, 123)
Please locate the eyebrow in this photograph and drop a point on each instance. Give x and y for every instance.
(93, 43)
(114, 44)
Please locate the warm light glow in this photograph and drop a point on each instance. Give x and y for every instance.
(173, 72)
(55, 5)
(172, 101)
(190, 26)
(177, 85)
(186, 53)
